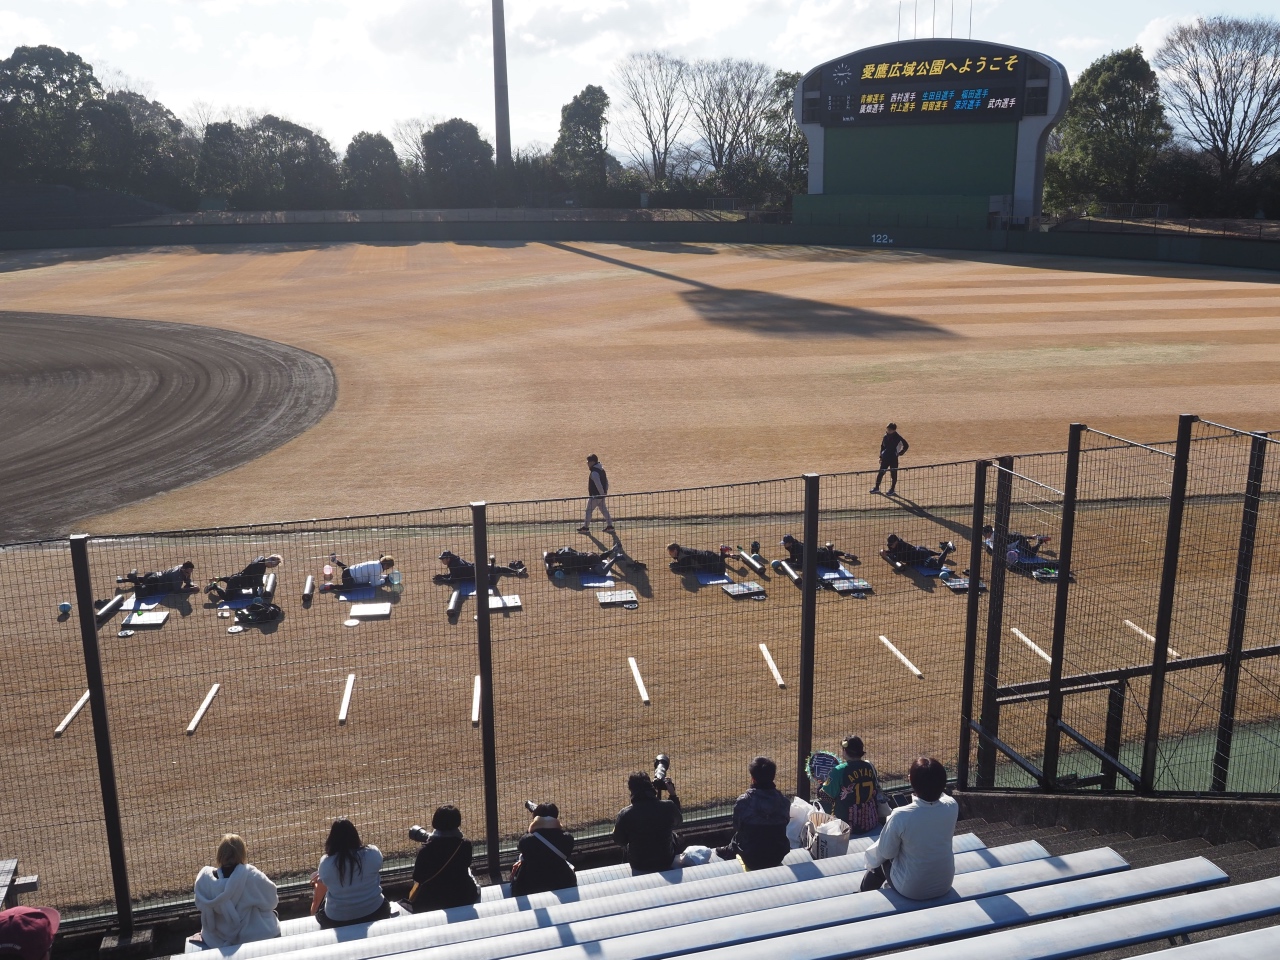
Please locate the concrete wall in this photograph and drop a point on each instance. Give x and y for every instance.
(1207, 250)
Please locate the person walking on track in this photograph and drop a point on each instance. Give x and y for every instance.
(891, 448)
(597, 490)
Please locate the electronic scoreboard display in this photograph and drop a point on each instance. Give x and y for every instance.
(921, 82)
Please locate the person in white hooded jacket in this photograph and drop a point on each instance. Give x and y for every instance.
(236, 900)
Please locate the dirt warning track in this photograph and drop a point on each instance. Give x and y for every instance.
(100, 411)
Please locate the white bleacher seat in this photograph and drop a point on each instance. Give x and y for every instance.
(823, 929)
(1261, 944)
(520, 933)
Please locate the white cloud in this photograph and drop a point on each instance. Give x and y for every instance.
(443, 29)
(17, 30)
(185, 36)
(1153, 34)
(122, 39)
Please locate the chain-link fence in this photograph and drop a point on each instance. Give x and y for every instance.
(271, 729)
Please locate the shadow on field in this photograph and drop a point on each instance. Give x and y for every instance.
(774, 314)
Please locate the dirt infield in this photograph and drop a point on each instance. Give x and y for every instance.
(488, 371)
(102, 412)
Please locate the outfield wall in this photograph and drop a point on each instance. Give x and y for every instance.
(1217, 251)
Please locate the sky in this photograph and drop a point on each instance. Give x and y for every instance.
(343, 66)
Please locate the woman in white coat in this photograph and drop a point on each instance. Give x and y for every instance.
(237, 901)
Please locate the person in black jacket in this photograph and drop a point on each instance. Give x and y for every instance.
(249, 579)
(597, 490)
(158, 583)
(442, 871)
(687, 560)
(760, 818)
(544, 855)
(828, 555)
(645, 828)
(892, 446)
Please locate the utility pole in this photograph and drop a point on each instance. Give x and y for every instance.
(502, 107)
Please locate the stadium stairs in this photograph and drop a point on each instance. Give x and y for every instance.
(1021, 891)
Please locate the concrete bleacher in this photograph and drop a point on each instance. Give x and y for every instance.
(1020, 892)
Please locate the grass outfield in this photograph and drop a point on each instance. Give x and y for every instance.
(489, 371)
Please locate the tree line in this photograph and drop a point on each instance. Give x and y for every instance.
(1218, 79)
(690, 131)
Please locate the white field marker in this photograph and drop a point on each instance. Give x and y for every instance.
(1030, 643)
(1173, 654)
(475, 703)
(346, 699)
(901, 656)
(195, 721)
(71, 715)
(773, 667)
(635, 672)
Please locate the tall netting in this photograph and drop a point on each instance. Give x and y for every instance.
(574, 665)
(1025, 636)
(269, 759)
(861, 685)
(50, 807)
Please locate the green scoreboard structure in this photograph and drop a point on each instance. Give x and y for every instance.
(943, 133)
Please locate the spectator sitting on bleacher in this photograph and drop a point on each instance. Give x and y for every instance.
(760, 818)
(913, 852)
(348, 888)
(544, 855)
(851, 791)
(158, 583)
(247, 580)
(647, 827)
(236, 900)
(442, 871)
(26, 933)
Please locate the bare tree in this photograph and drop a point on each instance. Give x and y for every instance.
(1221, 77)
(729, 99)
(407, 136)
(655, 108)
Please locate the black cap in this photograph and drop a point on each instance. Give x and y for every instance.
(853, 746)
(446, 555)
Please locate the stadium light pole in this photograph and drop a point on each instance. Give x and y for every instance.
(501, 105)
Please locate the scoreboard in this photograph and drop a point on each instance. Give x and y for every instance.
(922, 82)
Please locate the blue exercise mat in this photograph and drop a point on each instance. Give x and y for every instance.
(840, 573)
(595, 580)
(709, 578)
(237, 604)
(924, 571)
(142, 603)
(357, 594)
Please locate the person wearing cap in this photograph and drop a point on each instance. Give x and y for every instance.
(248, 580)
(828, 555)
(370, 573)
(913, 853)
(901, 553)
(646, 828)
(458, 570)
(544, 855)
(236, 900)
(892, 446)
(760, 818)
(851, 791)
(597, 490)
(26, 933)
(158, 583)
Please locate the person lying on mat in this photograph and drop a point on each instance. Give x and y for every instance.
(828, 556)
(370, 573)
(576, 561)
(156, 583)
(899, 552)
(685, 560)
(458, 570)
(1026, 546)
(248, 580)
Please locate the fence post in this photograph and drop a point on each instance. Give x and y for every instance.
(1114, 730)
(808, 623)
(1052, 733)
(1164, 609)
(971, 622)
(488, 737)
(101, 732)
(990, 718)
(1239, 609)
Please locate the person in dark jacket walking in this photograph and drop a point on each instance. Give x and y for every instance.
(597, 490)
(645, 828)
(442, 871)
(544, 855)
(760, 819)
(892, 446)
